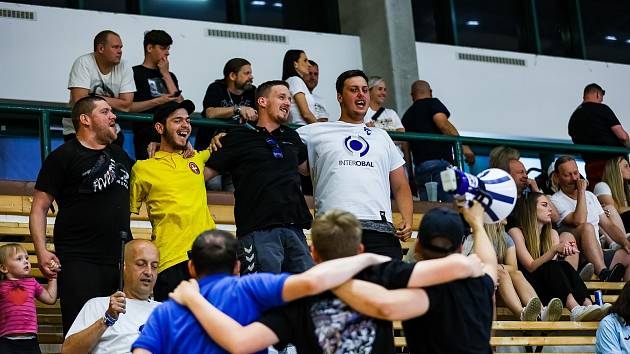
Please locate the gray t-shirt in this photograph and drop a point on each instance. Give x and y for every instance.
(468, 246)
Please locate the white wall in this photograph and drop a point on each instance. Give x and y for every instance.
(507, 100)
(37, 55)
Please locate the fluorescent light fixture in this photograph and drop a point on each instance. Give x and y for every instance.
(611, 38)
(277, 4)
(258, 3)
(628, 41)
(472, 23)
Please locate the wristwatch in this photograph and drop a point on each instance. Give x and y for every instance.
(237, 111)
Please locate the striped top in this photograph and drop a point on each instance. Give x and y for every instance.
(17, 306)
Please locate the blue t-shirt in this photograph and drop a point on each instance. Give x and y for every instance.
(172, 328)
(613, 336)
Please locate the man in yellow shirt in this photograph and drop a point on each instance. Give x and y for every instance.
(173, 189)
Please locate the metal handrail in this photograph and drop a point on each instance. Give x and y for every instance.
(45, 110)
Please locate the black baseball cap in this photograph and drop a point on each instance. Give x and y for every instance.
(441, 222)
(160, 115)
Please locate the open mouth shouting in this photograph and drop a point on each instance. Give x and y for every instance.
(360, 104)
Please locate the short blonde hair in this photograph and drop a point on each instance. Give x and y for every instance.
(336, 234)
(9, 250)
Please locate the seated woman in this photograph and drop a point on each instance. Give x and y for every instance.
(613, 192)
(540, 256)
(514, 289)
(613, 334)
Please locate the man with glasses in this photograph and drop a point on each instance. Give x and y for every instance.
(269, 210)
(594, 123)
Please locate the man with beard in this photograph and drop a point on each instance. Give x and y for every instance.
(354, 168)
(172, 186)
(269, 210)
(229, 98)
(89, 178)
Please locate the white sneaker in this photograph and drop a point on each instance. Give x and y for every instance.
(587, 272)
(553, 310)
(585, 313)
(605, 308)
(531, 311)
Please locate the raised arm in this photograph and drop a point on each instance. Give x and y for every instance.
(375, 301)
(444, 270)
(327, 275)
(225, 331)
(85, 340)
(42, 202)
(578, 217)
(482, 246)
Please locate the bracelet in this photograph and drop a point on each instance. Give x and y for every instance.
(108, 320)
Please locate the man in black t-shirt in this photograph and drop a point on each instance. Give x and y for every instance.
(594, 123)
(231, 98)
(269, 209)
(325, 324)
(429, 115)
(155, 86)
(89, 178)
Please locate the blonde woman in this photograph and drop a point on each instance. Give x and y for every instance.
(514, 289)
(540, 255)
(613, 192)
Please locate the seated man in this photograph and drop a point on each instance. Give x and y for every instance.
(111, 324)
(172, 329)
(582, 215)
(323, 323)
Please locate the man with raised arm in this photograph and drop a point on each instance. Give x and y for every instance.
(155, 85)
(172, 186)
(324, 323)
(89, 178)
(111, 324)
(171, 328)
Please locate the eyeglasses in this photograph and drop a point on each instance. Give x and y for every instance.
(277, 151)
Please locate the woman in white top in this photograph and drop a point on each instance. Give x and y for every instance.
(613, 192)
(294, 68)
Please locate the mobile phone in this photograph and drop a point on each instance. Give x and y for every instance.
(177, 93)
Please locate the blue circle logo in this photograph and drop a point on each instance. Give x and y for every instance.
(356, 145)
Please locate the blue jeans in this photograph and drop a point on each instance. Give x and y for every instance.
(429, 171)
(274, 250)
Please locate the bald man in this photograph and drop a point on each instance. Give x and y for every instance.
(429, 115)
(111, 324)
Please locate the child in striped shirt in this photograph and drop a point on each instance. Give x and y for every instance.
(18, 291)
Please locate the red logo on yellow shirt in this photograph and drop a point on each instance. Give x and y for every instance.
(193, 167)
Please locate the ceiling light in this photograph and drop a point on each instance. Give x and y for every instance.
(277, 4)
(472, 23)
(258, 3)
(611, 38)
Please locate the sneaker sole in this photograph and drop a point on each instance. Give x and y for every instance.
(532, 310)
(591, 315)
(554, 310)
(587, 272)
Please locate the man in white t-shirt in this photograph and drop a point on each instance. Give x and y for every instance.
(311, 80)
(112, 324)
(582, 215)
(354, 167)
(101, 73)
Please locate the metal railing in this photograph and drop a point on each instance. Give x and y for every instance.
(43, 111)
